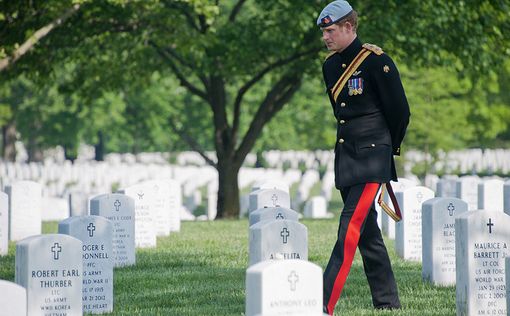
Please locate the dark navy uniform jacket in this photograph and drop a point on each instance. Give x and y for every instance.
(371, 124)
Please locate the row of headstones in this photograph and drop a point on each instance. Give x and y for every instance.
(276, 193)
(75, 273)
(456, 247)
(279, 280)
(60, 181)
(465, 161)
(68, 273)
(67, 188)
(492, 194)
(467, 249)
(156, 206)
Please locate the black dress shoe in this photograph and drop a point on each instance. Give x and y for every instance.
(390, 307)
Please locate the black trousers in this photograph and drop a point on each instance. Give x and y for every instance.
(358, 228)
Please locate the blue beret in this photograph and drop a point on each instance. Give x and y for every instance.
(334, 12)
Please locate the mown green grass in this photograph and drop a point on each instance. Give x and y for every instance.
(201, 271)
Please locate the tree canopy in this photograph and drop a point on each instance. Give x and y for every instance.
(203, 74)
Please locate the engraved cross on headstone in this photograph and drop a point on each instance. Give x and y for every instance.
(419, 197)
(451, 208)
(117, 205)
(293, 279)
(91, 228)
(490, 224)
(274, 198)
(285, 234)
(56, 249)
(279, 216)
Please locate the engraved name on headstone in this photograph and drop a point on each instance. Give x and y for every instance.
(284, 239)
(50, 268)
(160, 206)
(482, 239)
(284, 287)
(120, 210)
(95, 232)
(145, 229)
(408, 230)
(438, 239)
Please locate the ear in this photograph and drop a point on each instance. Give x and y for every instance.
(348, 26)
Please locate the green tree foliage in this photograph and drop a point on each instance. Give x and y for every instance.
(237, 63)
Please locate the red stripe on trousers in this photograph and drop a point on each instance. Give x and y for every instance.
(351, 241)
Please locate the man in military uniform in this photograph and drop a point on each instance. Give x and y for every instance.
(372, 112)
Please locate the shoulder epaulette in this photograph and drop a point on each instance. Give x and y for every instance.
(373, 48)
(329, 55)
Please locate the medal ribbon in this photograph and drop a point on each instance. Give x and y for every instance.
(356, 62)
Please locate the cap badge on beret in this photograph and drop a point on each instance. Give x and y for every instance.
(326, 20)
(334, 12)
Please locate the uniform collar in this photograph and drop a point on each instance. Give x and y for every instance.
(352, 50)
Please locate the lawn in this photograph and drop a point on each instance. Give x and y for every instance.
(201, 271)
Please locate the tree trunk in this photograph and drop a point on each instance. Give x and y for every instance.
(9, 141)
(228, 190)
(99, 147)
(35, 153)
(70, 153)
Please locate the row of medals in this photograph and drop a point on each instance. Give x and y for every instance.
(354, 91)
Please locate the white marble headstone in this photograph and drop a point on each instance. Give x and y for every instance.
(120, 210)
(316, 207)
(54, 209)
(271, 240)
(268, 198)
(506, 197)
(408, 230)
(145, 229)
(438, 239)
(481, 245)
(490, 195)
(447, 186)
(273, 213)
(467, 190)
(212, 200)
(507, 283)
(270, 184)
(284, 287)
(24, 209)
(96, 233)
(161, 206)
(175, 205)
(13, 299)
(431, 181)
(78, 203)
(4, 223)
(50, 268)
